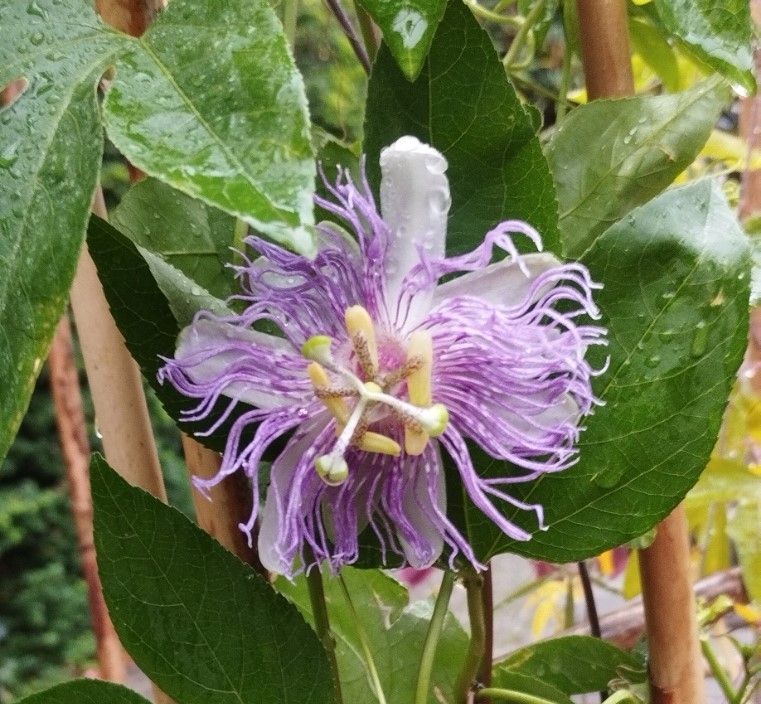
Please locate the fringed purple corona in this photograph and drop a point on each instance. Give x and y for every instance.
(381, 370)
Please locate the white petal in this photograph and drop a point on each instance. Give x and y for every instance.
(565, 410)
(277, 495)
(415, 496)
(415, 202)
(501, 283)
(207, 335)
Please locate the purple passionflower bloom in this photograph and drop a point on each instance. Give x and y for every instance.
(381, 369)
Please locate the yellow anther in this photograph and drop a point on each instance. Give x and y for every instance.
(414, 441)
(419, 355)
(419, 381)
(375, 442)
(320, 380)
(361, 331)
(373, 388)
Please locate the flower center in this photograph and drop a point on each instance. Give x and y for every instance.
(371, 387)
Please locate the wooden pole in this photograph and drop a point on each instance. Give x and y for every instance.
(604, 30)
(121, 413)
(230, 502)
(70, 419)
(115, 383)
(675, 662)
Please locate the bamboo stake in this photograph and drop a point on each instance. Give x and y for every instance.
(70, 419)
(675, 662)
(229, 503)
(114, 379)
(604, 29)
(121, 413)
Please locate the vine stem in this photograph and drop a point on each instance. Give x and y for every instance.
(351, 34)
(290, 17)
(522, 33)
(435, 627)
(322, 625)
(487, 598)
(717, 670)
(473, 583)
(510, 695)
(364, 642)
(589, 598)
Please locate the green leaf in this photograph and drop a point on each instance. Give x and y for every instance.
(396, 631)
(675, 302)
(408, 27)
(188, 234)
(463, 104)
(199, 622)
(210, 101)
(656, 52)
(575, 664)
(719, 33)
(610, 156)
(525, 684)
(150, 300)
(50, 150)
(86, 692)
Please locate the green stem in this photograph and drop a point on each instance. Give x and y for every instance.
(473, 583)
(290, 16)
(510, 695)
(322, 625)
(520, 37)
(717, 670)
(486, 14)
(565, 81)
(432, 637)
(740, 696)
(522, 591)
(621, 697)
(364, 642)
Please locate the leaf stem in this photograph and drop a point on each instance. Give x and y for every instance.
(522, 33)
(487, 597)
(717, 670)
(351, 34)
(432, 637)
(565, 80)
(486, 14)
(594, 620)
(364, 642)
(322, 625)
(510, 695)
(473, 583)
(621, 697)
(290, 16)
